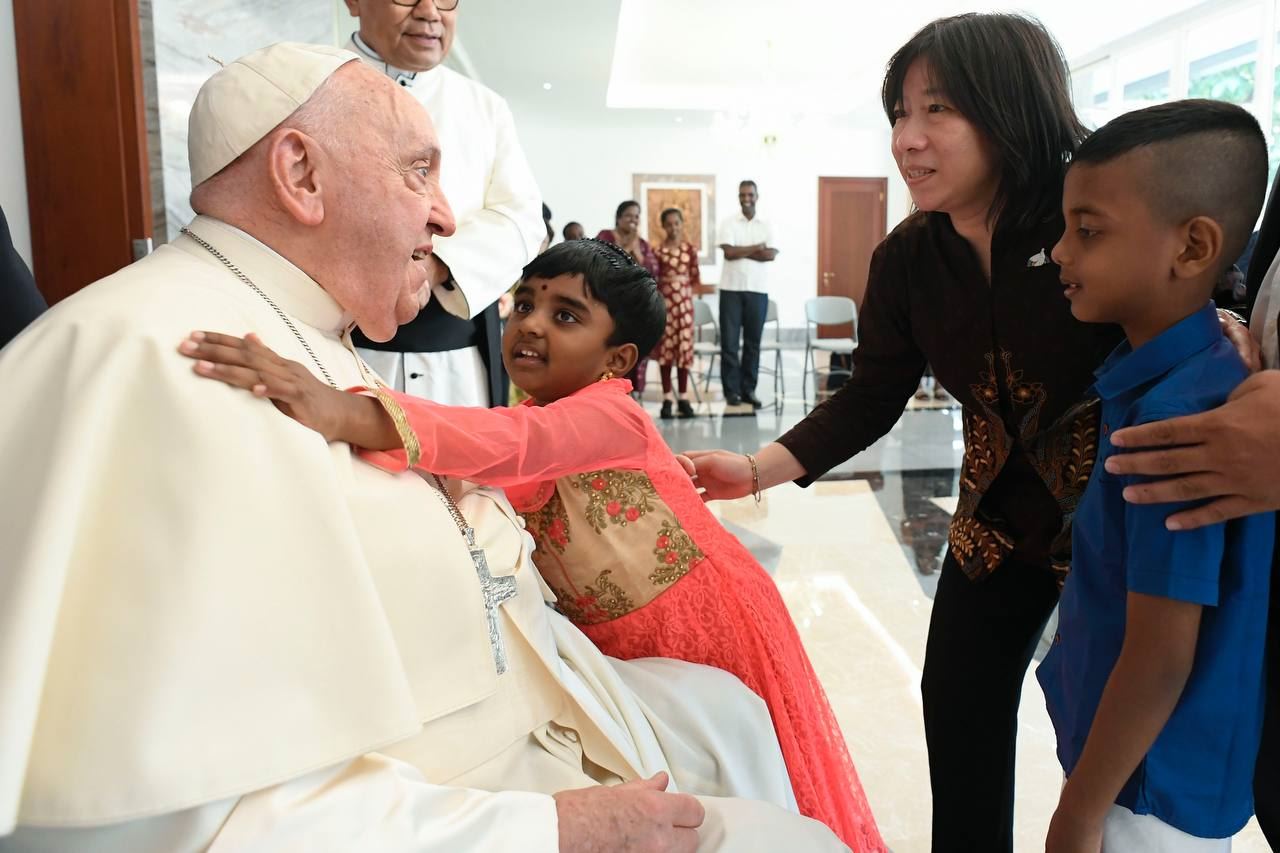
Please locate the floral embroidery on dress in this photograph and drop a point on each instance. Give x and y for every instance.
(676, 553)
(598, 602)
(550, 525)
(615, 497)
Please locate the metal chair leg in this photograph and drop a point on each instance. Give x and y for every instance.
(804, 381)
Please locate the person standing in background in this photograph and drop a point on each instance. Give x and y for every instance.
(450, 353)
(625, 234)
(678, 281)
(744, 297)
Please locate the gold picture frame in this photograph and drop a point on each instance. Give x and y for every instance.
(693, 195)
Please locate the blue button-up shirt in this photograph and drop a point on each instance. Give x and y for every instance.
(1198, 775)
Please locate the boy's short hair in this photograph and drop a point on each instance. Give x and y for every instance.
(567, 226)
(1208, 158)
(613, 278)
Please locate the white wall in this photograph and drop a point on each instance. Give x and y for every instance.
(585, 171)
(13, 170)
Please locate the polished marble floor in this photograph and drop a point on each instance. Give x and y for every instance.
(856, 557)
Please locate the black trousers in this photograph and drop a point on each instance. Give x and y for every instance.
(981, 639)
(1266, 775)
(742, 315)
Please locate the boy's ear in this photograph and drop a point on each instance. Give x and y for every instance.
(1201, 249)
(620, 359)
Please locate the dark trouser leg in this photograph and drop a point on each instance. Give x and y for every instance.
(683, 373)
(730, 333)
(1266, 775)
(755, 306)
(664, 371)
(981, 639)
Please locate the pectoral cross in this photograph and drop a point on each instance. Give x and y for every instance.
(496, 591)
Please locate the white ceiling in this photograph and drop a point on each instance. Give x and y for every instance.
(616, 62)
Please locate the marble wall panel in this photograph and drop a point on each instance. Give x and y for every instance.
(186, 33)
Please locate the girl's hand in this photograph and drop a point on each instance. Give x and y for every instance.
(249, 364)
(720, 475)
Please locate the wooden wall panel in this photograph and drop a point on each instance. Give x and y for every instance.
(83, 127)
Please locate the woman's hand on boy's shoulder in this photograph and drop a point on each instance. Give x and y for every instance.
(1230, 455)
(1240, 337)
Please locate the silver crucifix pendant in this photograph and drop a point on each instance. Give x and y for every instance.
(496, 591)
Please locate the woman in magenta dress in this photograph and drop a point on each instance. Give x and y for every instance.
(634, 557)
(678, 281)
(625, 234)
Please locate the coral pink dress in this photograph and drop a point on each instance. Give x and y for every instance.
(643, 568)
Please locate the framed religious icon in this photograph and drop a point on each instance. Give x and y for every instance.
(692, 195)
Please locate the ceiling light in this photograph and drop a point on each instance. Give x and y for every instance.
(546, 87)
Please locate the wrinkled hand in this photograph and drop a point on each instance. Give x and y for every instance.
(1244, 343)
(1230, 454)
(249, 364)
(1071, 834)
(720, 474)
(636, 816)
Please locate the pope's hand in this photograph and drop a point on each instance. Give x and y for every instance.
(636, 816)
(721, 475)
(1230, 454)
(249, 364)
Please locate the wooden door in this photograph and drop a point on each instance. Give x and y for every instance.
(851, 223)
(84, 131)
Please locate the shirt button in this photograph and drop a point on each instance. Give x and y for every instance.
(1106, 428)
(1057, 639)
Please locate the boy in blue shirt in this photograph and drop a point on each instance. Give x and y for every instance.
(1154, 682)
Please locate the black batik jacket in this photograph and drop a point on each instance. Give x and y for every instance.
(1009, 351)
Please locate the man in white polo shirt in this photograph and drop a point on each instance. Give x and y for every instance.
(744, 297)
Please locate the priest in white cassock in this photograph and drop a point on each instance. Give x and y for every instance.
(451, 351)
(218, 632)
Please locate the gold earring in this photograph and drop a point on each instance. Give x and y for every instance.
(606, 376)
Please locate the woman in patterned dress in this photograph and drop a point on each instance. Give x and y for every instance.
(678, 280)
(625, 234)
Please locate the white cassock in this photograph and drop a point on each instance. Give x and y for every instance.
(219, 632)
(498, 209)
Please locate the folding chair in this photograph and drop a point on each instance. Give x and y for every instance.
(827, 311)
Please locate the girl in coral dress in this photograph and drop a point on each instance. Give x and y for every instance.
(635, 558)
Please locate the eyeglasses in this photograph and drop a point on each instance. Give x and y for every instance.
(442, 5)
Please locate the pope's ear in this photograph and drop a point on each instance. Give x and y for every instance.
(293, 173)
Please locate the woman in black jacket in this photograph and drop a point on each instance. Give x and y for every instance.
(983, 131)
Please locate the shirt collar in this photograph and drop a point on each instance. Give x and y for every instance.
(297, 294)
(371, 57)
(1126, 368)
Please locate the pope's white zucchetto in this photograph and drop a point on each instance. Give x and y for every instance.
(248, 98)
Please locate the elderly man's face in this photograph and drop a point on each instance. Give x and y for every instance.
(388, 207)
(414, 38)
